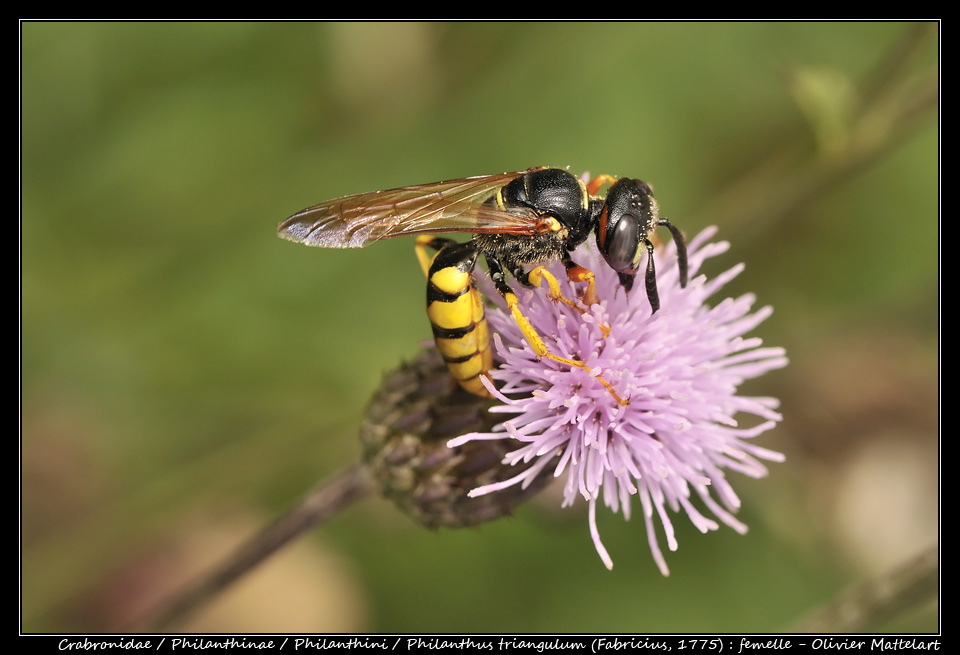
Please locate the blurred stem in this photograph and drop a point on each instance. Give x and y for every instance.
(894, 102)
(872, 603)
(895, 65)
(319, 504)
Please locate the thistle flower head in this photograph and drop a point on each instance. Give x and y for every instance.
(680, 369)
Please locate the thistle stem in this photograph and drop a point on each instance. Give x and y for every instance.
(867, 605)
(316, 506)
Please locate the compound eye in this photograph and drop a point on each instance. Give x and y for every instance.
(623, 244)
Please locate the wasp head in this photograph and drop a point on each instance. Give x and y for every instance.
(628, 215)
(624, 230)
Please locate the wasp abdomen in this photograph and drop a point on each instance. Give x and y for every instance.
(455, 309)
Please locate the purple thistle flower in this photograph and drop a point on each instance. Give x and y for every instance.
(679, 368)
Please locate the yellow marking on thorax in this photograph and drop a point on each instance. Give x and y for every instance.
(584, 196)
(501, 205)
(551, 224)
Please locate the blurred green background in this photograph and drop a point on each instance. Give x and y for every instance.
(186, 375)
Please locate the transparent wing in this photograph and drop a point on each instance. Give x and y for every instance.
(452, 206)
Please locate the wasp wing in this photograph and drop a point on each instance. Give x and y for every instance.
(452, 206)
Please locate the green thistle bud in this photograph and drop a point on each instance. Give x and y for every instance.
(417, 409)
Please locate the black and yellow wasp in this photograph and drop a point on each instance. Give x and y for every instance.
(520, 219)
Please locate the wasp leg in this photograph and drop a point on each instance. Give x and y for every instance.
(434, 243)
(529, 332)
(538, 275)
(577, 273)
(455, 309)
(594, 185)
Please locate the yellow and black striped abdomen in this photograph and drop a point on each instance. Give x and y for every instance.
(455, 309)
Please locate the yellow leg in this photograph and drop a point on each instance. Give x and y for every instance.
(538, 274)
(576, 273)
(425, 258)
(540, 348)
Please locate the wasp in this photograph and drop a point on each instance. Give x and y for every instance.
(519, 222)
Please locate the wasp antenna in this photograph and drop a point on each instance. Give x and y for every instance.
(653, 295)
(681, 248)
